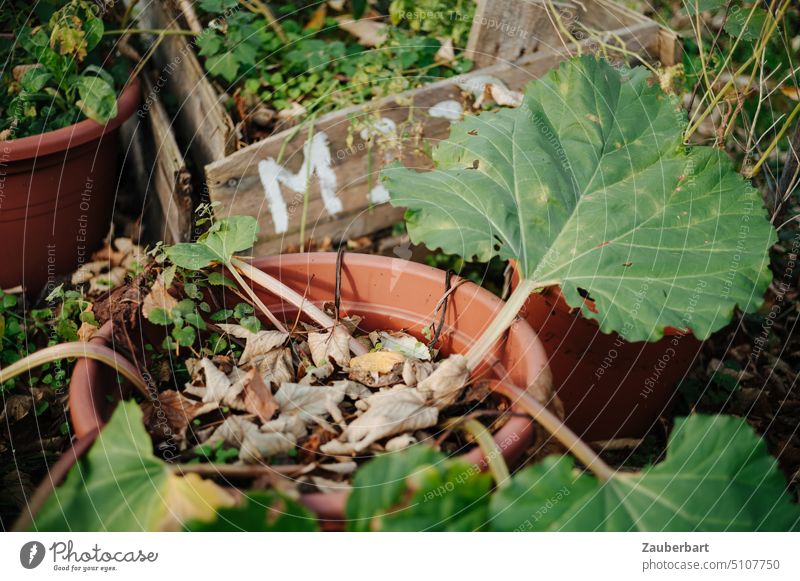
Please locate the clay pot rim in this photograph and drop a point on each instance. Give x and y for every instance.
(561, 304)
(329, 507)
(73, 135)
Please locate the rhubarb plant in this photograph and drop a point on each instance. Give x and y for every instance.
(717, 476)
(589, 186)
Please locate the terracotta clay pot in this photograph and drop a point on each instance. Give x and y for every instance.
(610, 388)
(57, 194)
(389, 294)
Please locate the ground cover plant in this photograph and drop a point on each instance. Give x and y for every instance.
(285, 65)
(61, 66)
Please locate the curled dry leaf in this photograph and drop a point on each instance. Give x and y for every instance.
(158, 298)
(86, 331)
(315, 375)
(400, 442)
(502, 95)
(390, 412)
(443, 387)
(254, 445)
(377, 369)
(258, 398)
(219, 388)
(369, 33)
(287, 424)
(256, 344)
(327, 485)
(404, 344)
(331, 345)
(340, 467)
(311, 403)
(415, 371)
(446, 52)
(275, 366)
(171, 415)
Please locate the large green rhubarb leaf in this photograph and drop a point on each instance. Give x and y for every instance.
(121, 486)
(589, 186)
(717, 476)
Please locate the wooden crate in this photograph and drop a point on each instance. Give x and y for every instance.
(336, 163)
(155, 163)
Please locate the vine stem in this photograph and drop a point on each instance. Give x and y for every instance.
(77, 349)
(501, 323)
(254, 297)
(491, 451)
(555, 427)
(279, 289)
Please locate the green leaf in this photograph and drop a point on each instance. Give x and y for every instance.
(738, 24)
(359, 7)
(381, 482)
(35, 79)
(262, 511)
(98, 100)
(695, 6)
(450, 496)
(159, 316)
(93, 28)
(588, 186)
(116, 487)
(121, 486)
(190, 255)
(223, 239)
(225, 65)
(231, 235)
(717, 476)
(218, 279)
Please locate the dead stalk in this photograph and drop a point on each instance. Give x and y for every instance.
(292, 297)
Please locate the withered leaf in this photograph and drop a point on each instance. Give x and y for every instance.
(329, 345)
(170, 414)
(377, 369)
(256, 344)
(258, 398)
(390, 412)
(445, 384)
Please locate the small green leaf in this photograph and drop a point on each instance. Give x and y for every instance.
(98, 100)
(34, 79)
(225, 65)
(93, 28)
(159, 316)
(218, 279)
(192, 256)
(743, 24)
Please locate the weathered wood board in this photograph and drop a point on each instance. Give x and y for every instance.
(157, 164)
(329, 173)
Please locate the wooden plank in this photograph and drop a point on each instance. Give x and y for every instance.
(202, 121)
(506, 30)
(170, 179)
(242, 181)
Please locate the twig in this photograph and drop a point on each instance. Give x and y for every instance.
(557, 429)
(292, 297)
